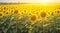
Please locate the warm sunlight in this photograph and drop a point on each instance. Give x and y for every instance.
(30, 1)
(40, 1)
(45, 1)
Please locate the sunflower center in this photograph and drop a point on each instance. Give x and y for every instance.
(7, 13)
(57, 11)
(0, 14)
(16, 12)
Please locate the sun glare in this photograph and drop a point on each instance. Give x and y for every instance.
(45, 1)
(42, 2)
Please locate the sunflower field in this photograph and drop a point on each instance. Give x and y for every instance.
(29, 18)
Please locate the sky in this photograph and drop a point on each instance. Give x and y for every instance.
(29, 1)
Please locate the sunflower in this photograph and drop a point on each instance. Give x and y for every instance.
(1, 14)
(57, 11)
(15, 12)
(5, 8)
(43, 15)
(29, 13)
(1, 9)
(33, 19)
(52, 13)
(20, 13)
(25, 11)
(7, 13)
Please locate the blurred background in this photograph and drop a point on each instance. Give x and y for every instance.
(28, 1)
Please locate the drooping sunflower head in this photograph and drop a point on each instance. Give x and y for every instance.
(33, 19)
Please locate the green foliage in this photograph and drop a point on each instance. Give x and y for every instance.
(21, 24)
